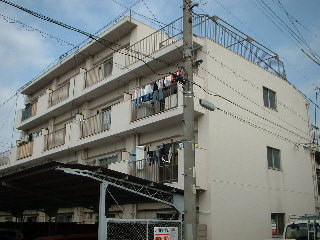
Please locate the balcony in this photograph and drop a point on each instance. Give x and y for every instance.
(25, 149)
(169, 168)
(155, 102)
(165, 36)
(5, 158)
(59, 95)
(96, 124)
(156, 171)
(98, 73)
(29, 111)
(54, 139)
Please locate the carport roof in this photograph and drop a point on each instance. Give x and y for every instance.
(57, 185)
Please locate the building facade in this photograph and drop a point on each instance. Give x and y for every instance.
(117, 103)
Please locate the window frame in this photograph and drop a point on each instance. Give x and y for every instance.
(280, 224)
(104, 162)
(274, 166)
(109, 61)
(267, 98)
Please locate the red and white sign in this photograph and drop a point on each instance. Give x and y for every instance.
(166, 233)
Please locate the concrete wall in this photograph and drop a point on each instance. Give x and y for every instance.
(242, 192)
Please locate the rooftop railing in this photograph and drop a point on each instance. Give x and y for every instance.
(165, 36)
(212, 28)
(231, 38)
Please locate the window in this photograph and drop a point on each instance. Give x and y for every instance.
(277, 223)
(167, 216)
(273, 156)
(64, 218)
(107, 67)
(297, 230)
(108, 160)
(269, 98)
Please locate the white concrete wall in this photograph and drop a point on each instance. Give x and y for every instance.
(242, 192)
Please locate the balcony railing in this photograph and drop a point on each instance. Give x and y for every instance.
(29, 111)
(25, 150)
(165, 36)
(96, 124)
(54, 139)
(5, 158)
(59, 94)
(151, 103)
(156, 171)
(231, 38)
(98, 73)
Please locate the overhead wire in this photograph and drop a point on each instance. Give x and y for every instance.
(248, 110)
(112, 45)
(299, 42)
(43, 34)
(246, 80)
(260, 39)
(255, 124)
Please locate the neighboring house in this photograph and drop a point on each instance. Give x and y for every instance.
(122, 110)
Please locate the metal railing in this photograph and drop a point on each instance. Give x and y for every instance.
(59, 94)
(161, 170)
(212, 28)
(29, 111)
(231, 38)
(25, 150)
(98, 73)
(54, 139)
(150, 104)
(165, 36)
(5, 157)
(96, 124)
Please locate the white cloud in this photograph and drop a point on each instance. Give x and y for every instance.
(20, 48)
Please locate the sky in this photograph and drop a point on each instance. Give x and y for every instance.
(26, 52)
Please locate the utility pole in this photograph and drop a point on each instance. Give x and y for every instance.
(190, 192)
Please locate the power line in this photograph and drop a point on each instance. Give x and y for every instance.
(8, 100)
(43, 34)
(300, 42)
(104, 42)
(293, 19)
(246, 80)
(250, 111)
(149, 10)
(243, 120)
(260, 39)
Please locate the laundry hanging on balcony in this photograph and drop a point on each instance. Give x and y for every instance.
(156, 91)
(164, 154)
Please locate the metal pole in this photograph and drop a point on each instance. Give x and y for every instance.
(102, 229)
(190, 217)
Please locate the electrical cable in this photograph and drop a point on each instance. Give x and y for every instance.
(293, 20)
(247, 110)
(258, 88)
(102, 41)
(14, 120)
(292, 33)
(43, 34)
(264, 42)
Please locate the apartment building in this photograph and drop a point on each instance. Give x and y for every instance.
(115, 103)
